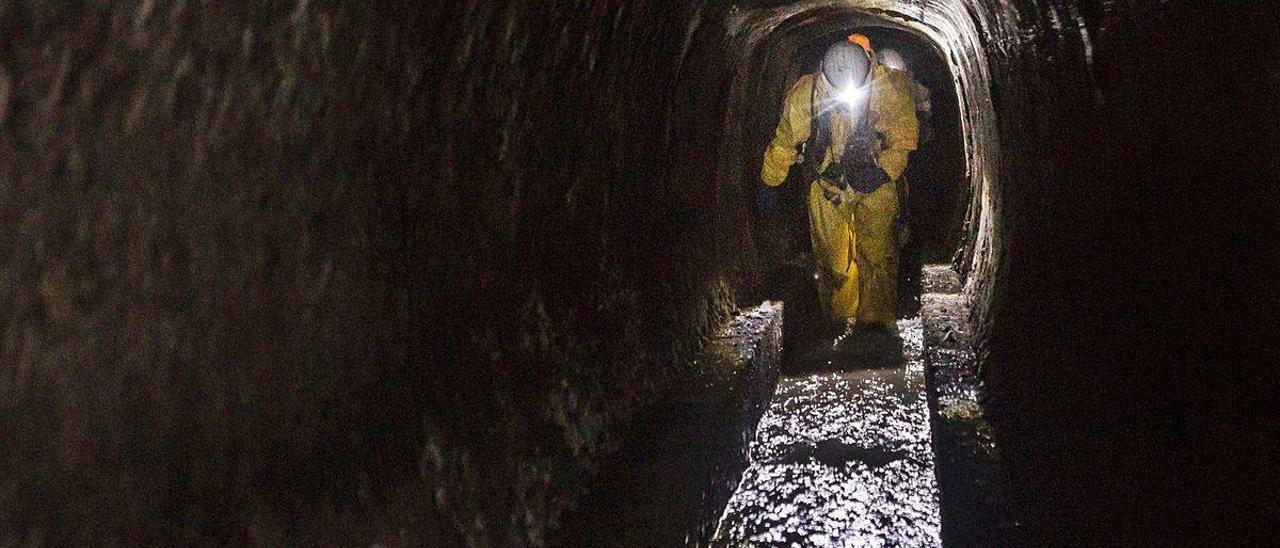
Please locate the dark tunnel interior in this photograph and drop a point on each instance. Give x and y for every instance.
(486, 273)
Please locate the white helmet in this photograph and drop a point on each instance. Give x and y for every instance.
(892, 59)
(845, 65)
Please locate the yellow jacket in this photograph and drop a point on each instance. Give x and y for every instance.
(893, 115)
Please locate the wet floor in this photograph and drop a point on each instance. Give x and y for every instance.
(842, 456)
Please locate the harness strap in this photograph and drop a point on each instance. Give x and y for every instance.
(819, 134)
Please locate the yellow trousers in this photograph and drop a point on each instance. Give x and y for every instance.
(855, 255)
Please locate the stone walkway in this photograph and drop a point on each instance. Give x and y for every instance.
(976, 506)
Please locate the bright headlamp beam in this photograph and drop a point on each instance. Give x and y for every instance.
(850, 95)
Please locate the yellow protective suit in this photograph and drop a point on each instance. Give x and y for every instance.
(853, 243)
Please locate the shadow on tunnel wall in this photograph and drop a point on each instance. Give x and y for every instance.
(339, 272)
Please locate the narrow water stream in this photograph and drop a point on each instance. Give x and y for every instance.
(842, 457)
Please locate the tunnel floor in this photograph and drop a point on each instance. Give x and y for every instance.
(842, 456)
(879, 441)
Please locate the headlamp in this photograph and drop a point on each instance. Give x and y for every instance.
(851, 95)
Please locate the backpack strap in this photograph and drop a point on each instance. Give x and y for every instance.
(819, 135)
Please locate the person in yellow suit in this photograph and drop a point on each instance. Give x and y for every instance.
(857, 123)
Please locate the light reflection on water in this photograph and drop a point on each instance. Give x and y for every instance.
(842, 458)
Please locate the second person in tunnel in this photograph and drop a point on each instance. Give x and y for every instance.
(856, 122)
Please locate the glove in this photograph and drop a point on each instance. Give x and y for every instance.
(766, 200)
(868, 179)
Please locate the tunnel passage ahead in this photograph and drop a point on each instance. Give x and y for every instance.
(937, 190)
(933, 192)
(778, 43)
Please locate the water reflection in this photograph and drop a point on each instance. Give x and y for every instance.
(842, 456)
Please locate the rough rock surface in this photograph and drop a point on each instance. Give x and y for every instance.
(667, 485)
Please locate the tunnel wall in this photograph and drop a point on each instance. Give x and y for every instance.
(590, 246)
(209, 316)
(405, 269)
(1126, 354)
